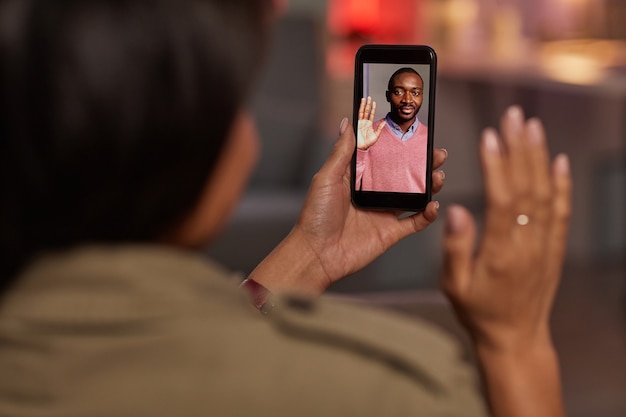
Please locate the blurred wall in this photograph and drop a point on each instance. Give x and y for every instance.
(310, 7)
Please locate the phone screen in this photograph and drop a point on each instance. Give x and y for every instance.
(393, 121)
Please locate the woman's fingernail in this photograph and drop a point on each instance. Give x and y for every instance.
(445, 151)
(535, 131)
(343, 125)
(516, 118)
(454, 219)
(442, 174)
(490, 141)
(561, 164)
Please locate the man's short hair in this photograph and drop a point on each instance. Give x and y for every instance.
(402, 71)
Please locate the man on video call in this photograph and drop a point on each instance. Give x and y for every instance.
(391, 152)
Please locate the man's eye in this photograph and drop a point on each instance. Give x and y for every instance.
(416, 93)
(397, 92)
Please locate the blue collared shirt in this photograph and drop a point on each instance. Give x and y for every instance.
(397, 130)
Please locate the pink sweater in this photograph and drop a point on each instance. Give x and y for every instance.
(393, 165)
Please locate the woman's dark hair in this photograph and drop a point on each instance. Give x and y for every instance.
(113, 114)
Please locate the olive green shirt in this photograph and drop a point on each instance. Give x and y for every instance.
(150, 331)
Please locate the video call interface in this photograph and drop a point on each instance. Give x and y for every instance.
(386, 167)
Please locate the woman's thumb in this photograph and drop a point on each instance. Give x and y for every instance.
(458, 248)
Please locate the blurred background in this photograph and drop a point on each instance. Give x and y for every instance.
(561, 60)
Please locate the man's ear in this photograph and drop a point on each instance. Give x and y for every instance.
(388, 96)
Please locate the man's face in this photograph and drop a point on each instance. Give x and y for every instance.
(405, 96)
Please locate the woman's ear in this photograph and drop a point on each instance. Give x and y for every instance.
(224, 186)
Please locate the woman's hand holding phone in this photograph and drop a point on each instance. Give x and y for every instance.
(333, 238)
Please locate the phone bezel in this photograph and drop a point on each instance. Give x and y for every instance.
(395, 54)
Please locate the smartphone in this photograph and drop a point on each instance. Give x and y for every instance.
(393, 120)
